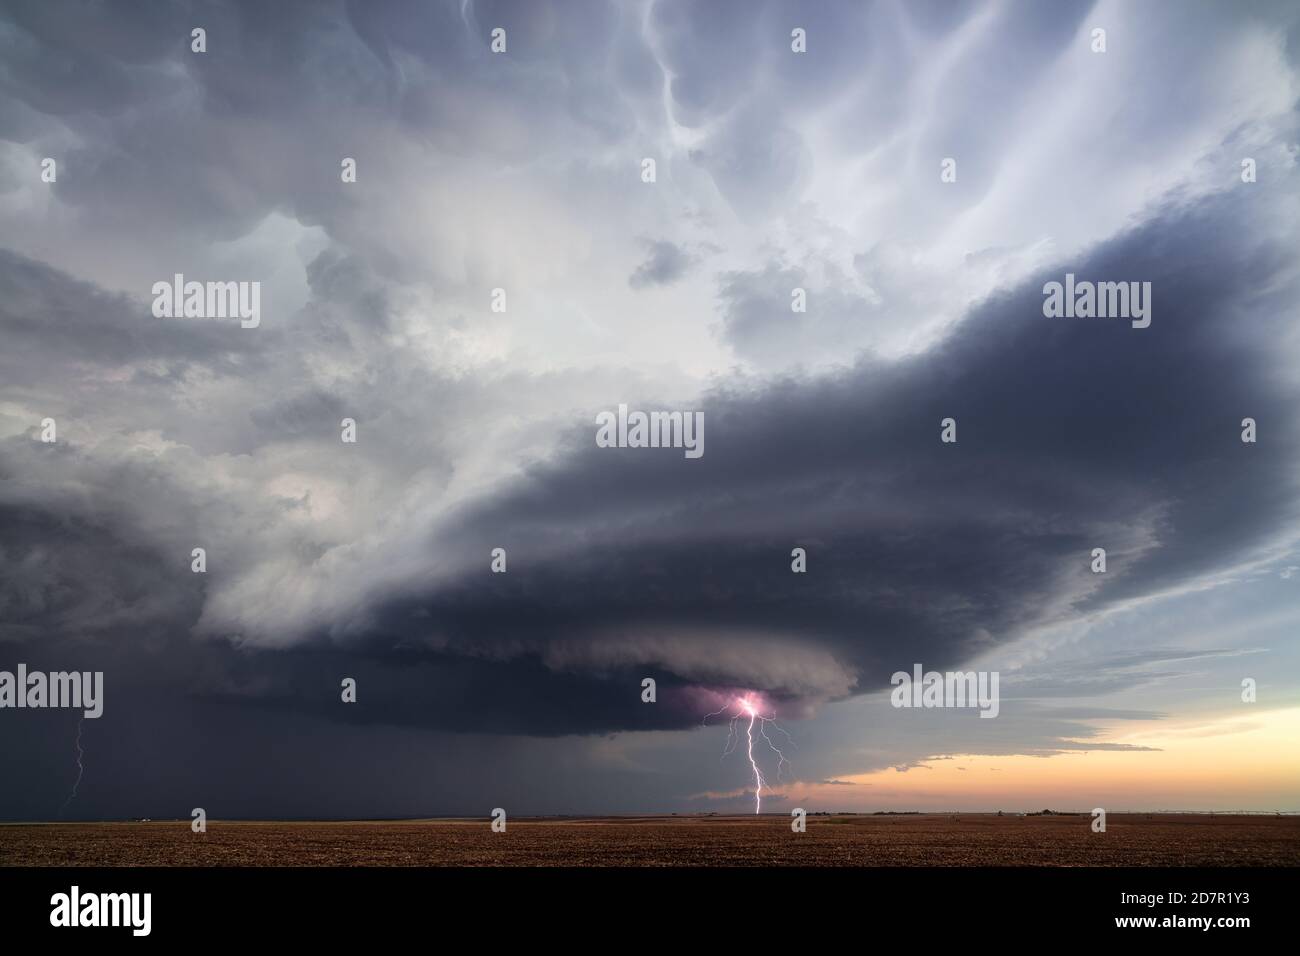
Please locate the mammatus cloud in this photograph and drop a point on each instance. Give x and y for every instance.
(666, 264)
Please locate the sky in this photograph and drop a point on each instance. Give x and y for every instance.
(524, 171)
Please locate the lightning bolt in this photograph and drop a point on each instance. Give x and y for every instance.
(749, 706)
(80, 769)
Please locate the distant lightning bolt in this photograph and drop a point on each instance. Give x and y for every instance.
(80, 769)
(748, 706)
(758, 774)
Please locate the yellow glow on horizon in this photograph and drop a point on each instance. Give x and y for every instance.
(1243, 761)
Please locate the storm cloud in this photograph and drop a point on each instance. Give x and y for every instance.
(520, 172)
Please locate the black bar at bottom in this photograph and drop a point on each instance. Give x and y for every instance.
(731, 906)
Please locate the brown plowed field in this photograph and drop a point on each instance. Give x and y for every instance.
(924, 840)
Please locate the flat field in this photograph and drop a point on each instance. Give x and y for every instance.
(1138, 839)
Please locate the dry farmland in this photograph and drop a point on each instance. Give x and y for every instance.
(852, 840)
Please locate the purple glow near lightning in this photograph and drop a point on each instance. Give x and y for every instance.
(80, 769)
(748, 706)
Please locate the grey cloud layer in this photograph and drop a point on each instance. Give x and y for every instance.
(1072, 435)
